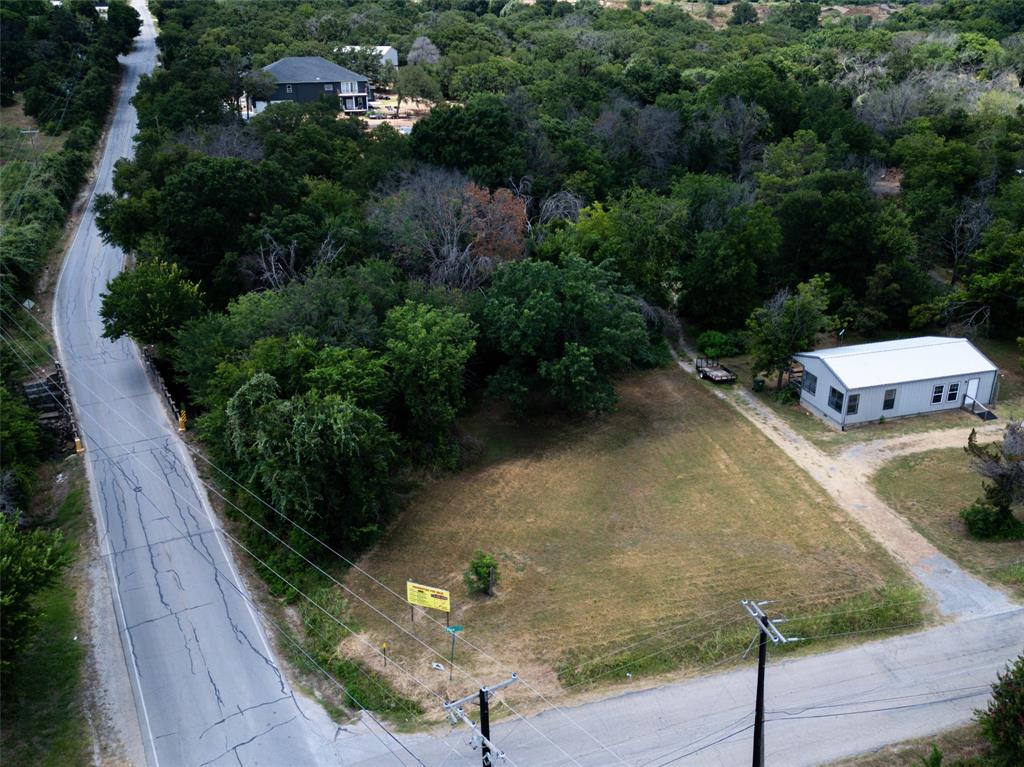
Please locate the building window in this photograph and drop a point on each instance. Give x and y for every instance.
(835, 399)
(937, 394)
(852, 404)
(328, 86)
(810, 383)
(954, 392)
(890, 399)
(348, 88)
(287, 89)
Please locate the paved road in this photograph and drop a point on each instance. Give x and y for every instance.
(209, 692)
(206, 685)
(819, 708)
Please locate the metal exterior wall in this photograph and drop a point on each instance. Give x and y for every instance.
(818, 402)
(915, 398)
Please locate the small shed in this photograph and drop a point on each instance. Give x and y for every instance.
(308, 78)
(849, 385)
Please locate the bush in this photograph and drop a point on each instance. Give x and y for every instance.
(786, 396)
(991, 518)
(1001, 720)
(30, 561)
(714, 343)
(478, 576)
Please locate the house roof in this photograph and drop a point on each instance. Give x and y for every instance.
(901, 361)
(310, 69)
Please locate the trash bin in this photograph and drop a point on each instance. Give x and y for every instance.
(758, 384)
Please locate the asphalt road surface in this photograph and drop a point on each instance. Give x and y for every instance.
(207, 688)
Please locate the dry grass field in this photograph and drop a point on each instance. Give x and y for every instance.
(612, 532)
(929, 489)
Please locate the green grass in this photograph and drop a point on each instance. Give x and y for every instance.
(929, 490)
(43, 722)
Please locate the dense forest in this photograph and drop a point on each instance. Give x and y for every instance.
(331, 296)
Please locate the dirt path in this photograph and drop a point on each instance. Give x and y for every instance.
(846, 478)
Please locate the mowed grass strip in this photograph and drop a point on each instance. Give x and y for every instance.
(611, 531)
(929, 489)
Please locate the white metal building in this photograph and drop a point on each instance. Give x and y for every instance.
(855, 384)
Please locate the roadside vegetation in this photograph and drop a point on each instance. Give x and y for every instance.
(929, 490)
(58, 73)
(333, 299)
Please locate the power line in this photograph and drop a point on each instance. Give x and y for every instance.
(343, 586)
(309, 599)
(20, 352)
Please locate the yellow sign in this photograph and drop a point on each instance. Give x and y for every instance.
(428, 596)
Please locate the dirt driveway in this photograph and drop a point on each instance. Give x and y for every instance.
(846, 477)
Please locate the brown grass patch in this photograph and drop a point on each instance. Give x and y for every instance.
(609, 531)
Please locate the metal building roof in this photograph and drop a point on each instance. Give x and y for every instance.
(310, 69)
(901, 361)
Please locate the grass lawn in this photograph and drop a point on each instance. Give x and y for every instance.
(929, 489)
(43, 720)
(1010, 403)
(614, 530)
(962, 743)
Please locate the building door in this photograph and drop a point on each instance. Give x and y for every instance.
(972, 392)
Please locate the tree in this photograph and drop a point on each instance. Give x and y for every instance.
(30, 560)
(20, 450)
(1002, 719)
(423, 51)
(417, 84)
(565, 328)
(449, 230)
(743, 13)
(258, 85)
(802, 15)
(319, 458)
(787, 323)
(427, 351)
(1003, 466)
(482, 575)
(149, 303)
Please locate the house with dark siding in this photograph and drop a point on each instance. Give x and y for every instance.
(308, 78)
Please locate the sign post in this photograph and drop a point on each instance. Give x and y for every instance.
(454, 631)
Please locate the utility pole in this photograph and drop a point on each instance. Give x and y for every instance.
(766, 630)
(488, 751)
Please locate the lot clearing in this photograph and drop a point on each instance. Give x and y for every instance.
(929, 489)
(625, 544)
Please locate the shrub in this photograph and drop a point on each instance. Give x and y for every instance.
(786, 396)
(1001, 720)
(990, 517)
(714, 343)
(478, 575)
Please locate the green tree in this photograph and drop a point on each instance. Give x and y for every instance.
(787, 323)
(30, 560)
(149, 303)
(20, 448)
(565, 328)
(416, 83)
(427, 350)
(482, 574)
(743, 13)
(1002, 719)
(319, 458)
